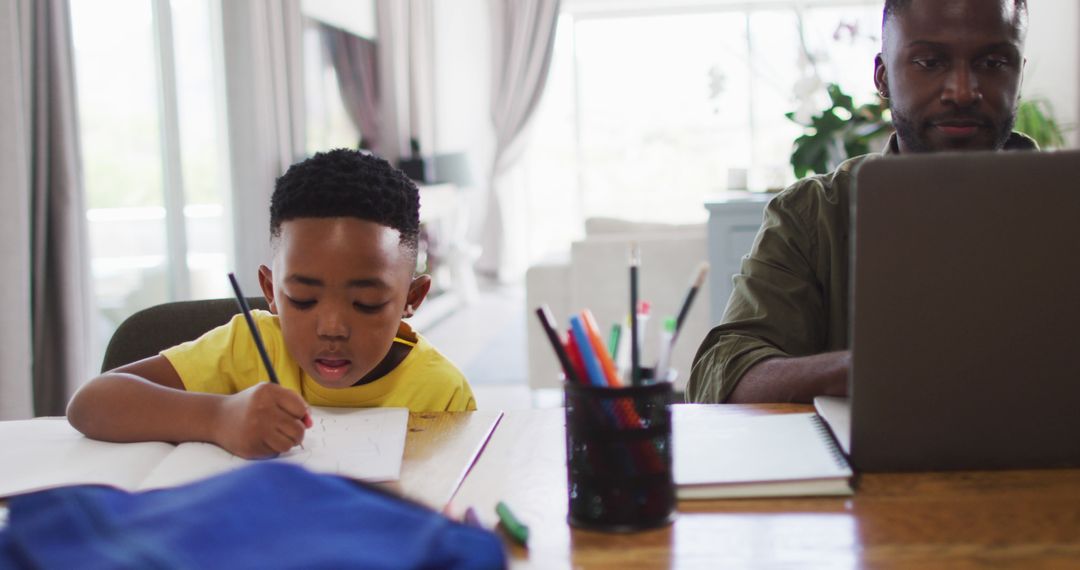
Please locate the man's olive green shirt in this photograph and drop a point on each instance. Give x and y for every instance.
(791, 297)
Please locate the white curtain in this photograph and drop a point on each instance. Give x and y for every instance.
(354, 59)
(43, 343)
(406, 84)
(422, 75)
(16, 399)
(265, 101)
(392, 17)
(523, 37)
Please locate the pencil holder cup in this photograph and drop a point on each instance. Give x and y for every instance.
(618, 457)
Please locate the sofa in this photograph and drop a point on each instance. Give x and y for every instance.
(594, 274)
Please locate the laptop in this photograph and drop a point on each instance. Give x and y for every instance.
(965, 322)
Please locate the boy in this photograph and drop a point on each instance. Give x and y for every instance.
(343, 230)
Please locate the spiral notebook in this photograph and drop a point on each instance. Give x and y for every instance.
(718, 454)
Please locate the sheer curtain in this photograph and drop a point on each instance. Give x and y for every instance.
(43, 352)
(355, 63)
(265, 101)
(16, 396)
(523, 37)
(387, 85)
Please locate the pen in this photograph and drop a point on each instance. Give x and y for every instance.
(635, 349)
(517, 531)
(667, 343)
(240, 300)
(622, 354)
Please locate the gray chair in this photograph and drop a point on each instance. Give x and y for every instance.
(152, 330)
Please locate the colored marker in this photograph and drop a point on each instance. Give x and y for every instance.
(595, 370)
(613, 340)
(547, 321)
(667, 343)
(574, 355)
(606, 362)
(514, 527)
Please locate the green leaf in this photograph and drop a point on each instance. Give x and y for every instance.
(1035, 118)
(830, 139)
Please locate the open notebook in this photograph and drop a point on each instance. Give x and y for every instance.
(723, 455)
(365, 444)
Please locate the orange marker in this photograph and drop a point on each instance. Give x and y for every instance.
(610, 372)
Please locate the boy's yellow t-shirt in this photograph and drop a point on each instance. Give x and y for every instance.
(226, 361)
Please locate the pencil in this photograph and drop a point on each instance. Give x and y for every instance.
(695, 284)
(547, 321)
(240, 300)
(635, 351)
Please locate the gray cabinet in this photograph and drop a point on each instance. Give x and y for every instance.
(734, 219)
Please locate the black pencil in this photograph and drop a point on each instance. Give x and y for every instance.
(240, 300)
(547, 321)
(635, 349)
(695, 285)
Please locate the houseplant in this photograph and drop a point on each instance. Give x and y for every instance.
(843, 131)
(1035, 118)
(839, 132)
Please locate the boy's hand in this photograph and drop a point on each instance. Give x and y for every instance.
(262, 421)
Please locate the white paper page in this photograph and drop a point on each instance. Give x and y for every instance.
(360, 443)
(716, 448)
(47, 452)
(837, 413)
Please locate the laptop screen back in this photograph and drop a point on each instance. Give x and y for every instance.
(966, 312)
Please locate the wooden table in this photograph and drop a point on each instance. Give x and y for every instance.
(1015, 519)
(439, 448)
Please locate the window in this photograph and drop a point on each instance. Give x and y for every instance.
(328, 123)
(154, 153)
(650, 109)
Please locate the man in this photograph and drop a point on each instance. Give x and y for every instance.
(952, 70)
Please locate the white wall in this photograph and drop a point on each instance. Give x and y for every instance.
(1053, 54)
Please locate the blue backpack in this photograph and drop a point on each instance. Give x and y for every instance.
(267, 515)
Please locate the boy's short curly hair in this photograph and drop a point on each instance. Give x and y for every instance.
(348, 183)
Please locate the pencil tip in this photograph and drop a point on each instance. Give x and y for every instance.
(702, 271)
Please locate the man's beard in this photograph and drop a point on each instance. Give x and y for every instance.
(911, 135)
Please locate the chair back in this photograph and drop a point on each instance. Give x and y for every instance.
(154, 329)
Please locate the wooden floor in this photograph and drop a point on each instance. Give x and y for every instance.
(486, 340)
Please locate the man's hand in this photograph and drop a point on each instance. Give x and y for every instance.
(262, 421)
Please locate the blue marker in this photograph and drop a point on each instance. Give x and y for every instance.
(593, 369)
